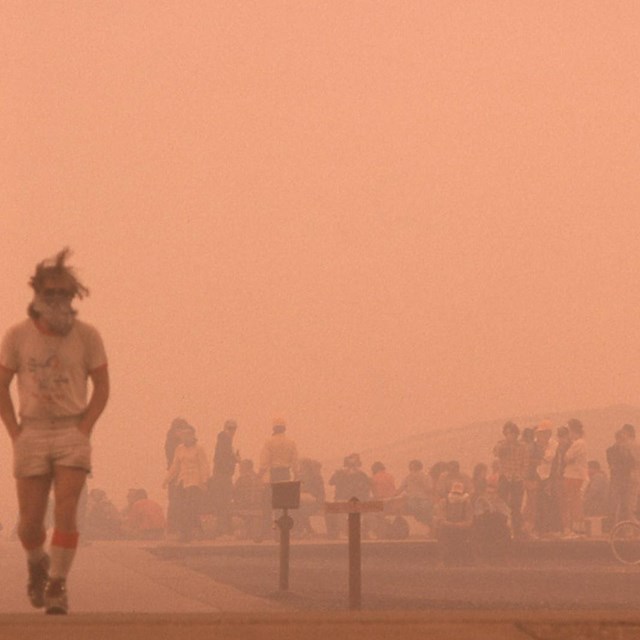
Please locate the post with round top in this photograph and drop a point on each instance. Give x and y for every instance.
(355, 558)
(354, 508)
(285, 524)
(285, 496)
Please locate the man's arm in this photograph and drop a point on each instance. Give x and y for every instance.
(265, 458)
(7, 410)
(97, 402)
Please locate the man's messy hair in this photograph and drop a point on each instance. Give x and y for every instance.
(56, 266)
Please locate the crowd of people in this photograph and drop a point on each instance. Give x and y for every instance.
(538, 484)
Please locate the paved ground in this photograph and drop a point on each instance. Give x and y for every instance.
(119, 590)
(123, 577)
(401, 626)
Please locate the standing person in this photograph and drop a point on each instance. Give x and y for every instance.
(573, 477)
(621, 463)
(547, 517)
(53, 355)
(596, 493)
(278, 463)
(221, 483)
(513, 455)
(171, 443)
(312, 495)
(557, 473)
(531, 488)
(279, 457)
(631, 505)
(189, 471)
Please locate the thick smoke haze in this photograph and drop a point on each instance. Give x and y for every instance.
(372, 219)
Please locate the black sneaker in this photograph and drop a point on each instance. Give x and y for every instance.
(38, 577)
(55, 597)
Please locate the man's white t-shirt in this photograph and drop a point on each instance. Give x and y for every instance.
(52, 370)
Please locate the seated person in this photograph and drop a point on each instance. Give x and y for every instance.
(143, 518)
(491, 534)
(452, 520)
(248, 501)
(417, 489)
(102, 521)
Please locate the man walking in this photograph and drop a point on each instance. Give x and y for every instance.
(53, 355)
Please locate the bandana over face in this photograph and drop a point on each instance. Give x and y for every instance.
(56, 311)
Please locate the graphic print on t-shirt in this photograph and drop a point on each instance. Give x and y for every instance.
(49, 380)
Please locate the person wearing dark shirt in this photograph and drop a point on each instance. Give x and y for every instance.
(513, 455)
(596, 494)
(224, 466)
(248, 500)
(348, 482)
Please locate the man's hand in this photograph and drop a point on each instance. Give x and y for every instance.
(7, 410)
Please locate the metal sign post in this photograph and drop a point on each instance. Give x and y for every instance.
(354, 508)
(285, 524)
(285, 495)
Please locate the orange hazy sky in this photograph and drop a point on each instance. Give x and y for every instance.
(371, 218)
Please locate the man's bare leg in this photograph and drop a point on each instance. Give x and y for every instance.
(33, 496)
(67, 487)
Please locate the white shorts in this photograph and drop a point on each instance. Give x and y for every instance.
(43, 444)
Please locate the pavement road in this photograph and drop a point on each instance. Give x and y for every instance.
(407, 577)
(123, 591)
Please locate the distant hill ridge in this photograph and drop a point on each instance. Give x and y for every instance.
(473, 443)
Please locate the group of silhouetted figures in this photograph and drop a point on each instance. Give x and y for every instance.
(540, 484)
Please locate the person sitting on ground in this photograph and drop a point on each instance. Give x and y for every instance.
(451, 476)
(453, 519)
(383, 487)
(383, 484)
(491, 534)
(436, 471)
(349, 482)
(479, 479)
(417, 490)
(143, 519)
(248, 501)
(103, 520)
(493, 476)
